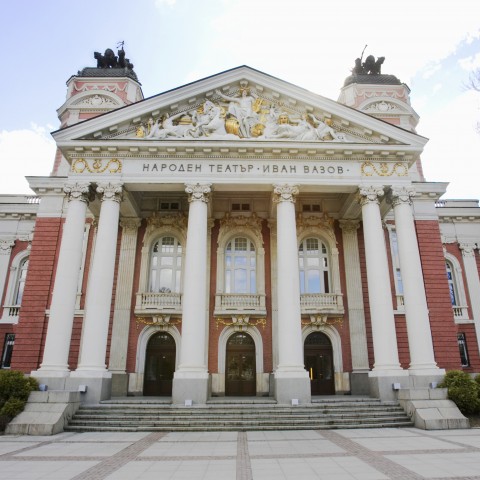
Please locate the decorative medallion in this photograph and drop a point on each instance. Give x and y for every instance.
(114, 165)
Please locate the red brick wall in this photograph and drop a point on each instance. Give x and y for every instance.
(31, 330)
(444, 331)
(366, 302)
(344, 327)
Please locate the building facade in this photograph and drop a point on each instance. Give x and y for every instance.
(237, 236)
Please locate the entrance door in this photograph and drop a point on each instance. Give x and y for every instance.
(159, 365)
(240, 366)
(319, 363)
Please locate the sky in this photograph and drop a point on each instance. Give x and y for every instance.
(430, 45)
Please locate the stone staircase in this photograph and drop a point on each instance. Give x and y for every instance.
(147, 415)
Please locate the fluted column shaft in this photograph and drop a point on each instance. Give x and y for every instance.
(194, 316)
(356, 311)
(422, 358)
(123, 297)
(62, 308)
(378, 278)
(100, 284)
(473, 283)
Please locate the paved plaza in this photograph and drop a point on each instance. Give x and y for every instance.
(363, 454)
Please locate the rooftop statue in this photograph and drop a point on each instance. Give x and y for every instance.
(110, 60)
(369, 67)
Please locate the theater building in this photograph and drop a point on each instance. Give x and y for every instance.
(237, 236)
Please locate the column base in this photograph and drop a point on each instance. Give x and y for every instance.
(53, 379)
(119, 384)
(381, 385)
(192, 386)
(292, 385)
(99, 385)
(359, 383)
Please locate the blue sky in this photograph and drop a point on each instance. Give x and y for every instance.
(431, 46)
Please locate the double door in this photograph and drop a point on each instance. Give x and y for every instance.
(318, 356)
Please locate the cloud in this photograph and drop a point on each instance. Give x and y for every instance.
(162, 3)
(470, 63)
(24, 152)
(452, 153)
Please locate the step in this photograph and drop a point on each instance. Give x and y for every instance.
(223, 416)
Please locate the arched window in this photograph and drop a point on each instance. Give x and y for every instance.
(452, 286)
(166, 265)
(20, 284)
(314, 266)
(240, 266)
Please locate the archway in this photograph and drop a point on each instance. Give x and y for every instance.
(240, 374)
(318, 354)
(159, 365)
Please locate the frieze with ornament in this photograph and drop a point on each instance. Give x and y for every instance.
(97, 165)
(96, 101)
(232, 223)
(384, 169)
(177, 221)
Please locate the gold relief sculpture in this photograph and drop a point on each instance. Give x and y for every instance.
(321, 320)
(114, 165)
(232, 126)
(241, 322)
(163, 321)
(384, 170)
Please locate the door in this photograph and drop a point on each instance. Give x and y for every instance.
(319, 364)
(159, 365)
(240, 374)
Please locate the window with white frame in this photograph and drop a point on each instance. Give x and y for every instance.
(20, 282)
(314, 263)
(240, 266)
(7, 350)
(452, 284)
(166, 265)
(462, 347)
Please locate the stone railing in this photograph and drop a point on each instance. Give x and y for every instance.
(239, 303)
(148, 302)
(321, 302)
(400, 303)
(460, 312)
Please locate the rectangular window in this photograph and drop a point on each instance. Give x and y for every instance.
(462, 346)
(7, 350)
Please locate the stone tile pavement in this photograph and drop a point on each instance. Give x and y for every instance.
(363, 454)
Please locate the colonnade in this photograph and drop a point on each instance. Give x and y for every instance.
(191, 377)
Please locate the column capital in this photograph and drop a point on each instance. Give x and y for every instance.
(468, 249)
(349, 226)
(6, 246)
(284, 193)
(77, 191)
(399, 195)
(130, 224)
(198, 192)
(110, 191)
(369, 194)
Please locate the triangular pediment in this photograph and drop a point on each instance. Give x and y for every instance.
(243, 107)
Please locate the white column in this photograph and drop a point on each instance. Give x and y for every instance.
(62, 308)
(191, 378)
(473, 283)
(123, 296)
(379, 291)
(100, 283)
(5, 251)
(356, 311)
(422, 357)
(291, 378)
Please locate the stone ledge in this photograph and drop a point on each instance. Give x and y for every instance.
(431, 410)
(46, 413)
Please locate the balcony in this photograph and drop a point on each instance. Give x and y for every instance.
(460, 312)
(10, 314)
(158, 303)
(238, 303)
(311, 303)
